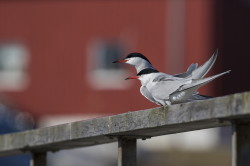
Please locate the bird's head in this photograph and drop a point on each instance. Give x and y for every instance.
(134, 59)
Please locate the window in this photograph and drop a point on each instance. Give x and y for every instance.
(13, 64)
(102, 73)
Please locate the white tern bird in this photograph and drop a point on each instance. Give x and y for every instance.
(167, 90)
(140, 62)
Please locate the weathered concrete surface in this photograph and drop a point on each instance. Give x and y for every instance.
(214, 112)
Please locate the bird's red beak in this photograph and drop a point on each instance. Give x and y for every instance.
(132, 77)
(120, 61)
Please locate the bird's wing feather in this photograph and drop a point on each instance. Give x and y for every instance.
(201, 82)
(144, 91)
(201, 71)
(165, 77)
(192, 67)
(178, 90)
(200, 97)
(181, 96)
(187, 91)
(162, 89)
(189, 71)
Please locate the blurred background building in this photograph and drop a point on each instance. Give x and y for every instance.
(55, 64)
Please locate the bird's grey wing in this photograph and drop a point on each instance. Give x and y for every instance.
(165, 77)
(182, 95)
(187, 95)
(200, 97)
(187, 91)
(161, 90)
(203, 81)
(144, 91)
(189, 71)
(192, 67)
(201, 71)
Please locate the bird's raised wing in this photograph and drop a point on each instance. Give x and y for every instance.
(200, 82)
(189, 71)
(201, 71)
(165, 77)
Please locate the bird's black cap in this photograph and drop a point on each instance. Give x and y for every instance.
(137, 54)
(147, 71)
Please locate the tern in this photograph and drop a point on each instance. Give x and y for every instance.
(166, 90)
(140, 62)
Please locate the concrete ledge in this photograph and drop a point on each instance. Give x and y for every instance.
(214, 112)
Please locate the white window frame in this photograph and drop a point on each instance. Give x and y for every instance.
(14, 57)
(103, 79)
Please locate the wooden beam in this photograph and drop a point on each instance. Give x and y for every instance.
(39, 159)
(241, 144)
(126, 151)
(215, 112)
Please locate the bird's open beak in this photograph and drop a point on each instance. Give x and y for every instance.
(120, 61)
(132, 77)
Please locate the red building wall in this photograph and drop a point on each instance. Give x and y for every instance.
(57, 34)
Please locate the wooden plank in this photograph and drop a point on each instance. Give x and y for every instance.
(39, 159)
(126, 151)
(214, 112)
(241, 144)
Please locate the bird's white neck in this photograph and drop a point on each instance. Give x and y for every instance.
(142, 66)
